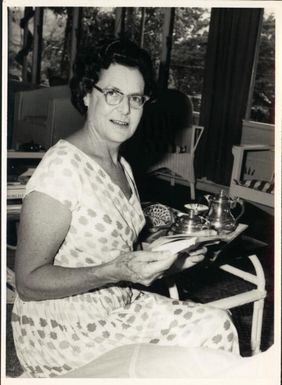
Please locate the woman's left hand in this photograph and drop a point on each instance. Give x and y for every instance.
(187, 260)
(192, 258)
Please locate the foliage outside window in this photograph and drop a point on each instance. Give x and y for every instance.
(191, 28)
(153, 34)
(190, 36)
(262, 107)
(188, 49)
(54, 68)
(96, 24)
(15, 43)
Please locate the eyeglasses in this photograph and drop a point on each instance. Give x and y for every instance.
(114, 97)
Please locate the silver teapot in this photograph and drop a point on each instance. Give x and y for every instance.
(219, 214)
(189, 224)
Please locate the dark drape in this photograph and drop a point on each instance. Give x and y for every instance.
(163, 126)
(230, 54)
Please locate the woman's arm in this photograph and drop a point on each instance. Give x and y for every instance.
(43, 227)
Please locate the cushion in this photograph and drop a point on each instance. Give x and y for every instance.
(261, 185)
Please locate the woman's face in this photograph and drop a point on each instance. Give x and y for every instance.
(116, 123)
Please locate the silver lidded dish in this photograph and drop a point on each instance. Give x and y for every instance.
(189, 224)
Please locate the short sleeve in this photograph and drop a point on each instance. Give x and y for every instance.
(57, 175)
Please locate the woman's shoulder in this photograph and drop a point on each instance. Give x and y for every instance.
(62, 147)
(62, 153)
(58, 175)
(61, 161)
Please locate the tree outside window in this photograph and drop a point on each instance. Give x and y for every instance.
(263, 98)
(54, 69)
(144, 26)
(190, 37)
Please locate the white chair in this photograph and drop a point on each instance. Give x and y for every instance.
(44, 116)
(178, 167)
(252, 173)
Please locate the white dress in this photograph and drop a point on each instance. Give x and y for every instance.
(53, 337)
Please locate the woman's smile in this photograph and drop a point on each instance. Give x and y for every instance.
(121, 123)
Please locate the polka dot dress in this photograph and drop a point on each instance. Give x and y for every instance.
(53, 337)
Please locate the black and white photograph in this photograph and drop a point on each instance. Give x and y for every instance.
(141, 192)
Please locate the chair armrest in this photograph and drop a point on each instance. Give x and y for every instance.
(254, 147)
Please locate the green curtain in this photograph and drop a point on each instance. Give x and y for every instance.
(229, 61)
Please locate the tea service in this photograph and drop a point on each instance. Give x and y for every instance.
(217, 215)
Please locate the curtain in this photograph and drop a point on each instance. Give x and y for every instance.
(229, 61)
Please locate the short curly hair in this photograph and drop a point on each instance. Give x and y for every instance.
(88, 64)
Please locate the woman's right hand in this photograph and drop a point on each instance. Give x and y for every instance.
(39, 237)
(143, 267)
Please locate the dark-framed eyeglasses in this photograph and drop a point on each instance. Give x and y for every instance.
(114, 97)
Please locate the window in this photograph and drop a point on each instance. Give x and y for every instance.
(262, 100)
(191, 28)
(16, 42)
(144, 26)
(96, 23)
(153, 24)
(54, 66)
(54, 49)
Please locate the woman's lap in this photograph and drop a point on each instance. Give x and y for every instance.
(149, 319)
(155, 319)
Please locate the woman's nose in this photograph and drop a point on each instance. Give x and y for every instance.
(124, 105)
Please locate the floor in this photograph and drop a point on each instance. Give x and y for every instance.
(204, 282)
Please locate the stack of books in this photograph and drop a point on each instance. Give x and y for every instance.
(15, 192)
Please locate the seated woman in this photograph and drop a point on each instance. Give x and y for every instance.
(76, 260)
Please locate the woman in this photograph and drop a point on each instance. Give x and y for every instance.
(81, 216)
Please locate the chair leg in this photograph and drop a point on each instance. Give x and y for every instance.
(257, 326)
(172, 288)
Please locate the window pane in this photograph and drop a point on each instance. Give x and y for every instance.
(154, 18)
(97, 23)
(262, 109)
(190, 37)
(16, 50)
(149, 36)
(54, 69)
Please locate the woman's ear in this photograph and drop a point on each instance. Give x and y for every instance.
(86, 100)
